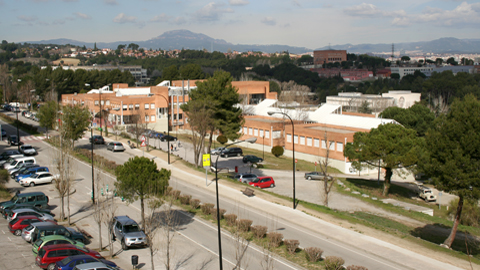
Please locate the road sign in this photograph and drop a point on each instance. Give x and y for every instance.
(206, 160)
(315, 163)
(296, 160)
(144, 143)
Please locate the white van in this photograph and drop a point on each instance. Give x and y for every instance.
(16, 162)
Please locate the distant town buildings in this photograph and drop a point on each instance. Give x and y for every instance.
(329, 56)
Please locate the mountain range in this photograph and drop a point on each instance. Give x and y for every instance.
(178, 39)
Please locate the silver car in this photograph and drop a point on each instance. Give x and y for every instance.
(27, 149)
(245, 177)
(28, 212)
(217, 151)
(27, 231)
(115, 146)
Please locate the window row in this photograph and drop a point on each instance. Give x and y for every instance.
(308, 141)
(147, 106)
(257, 132)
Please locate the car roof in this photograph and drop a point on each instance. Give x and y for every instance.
(125, 220)
(58, 246)
(21, 210)
(30, 193)
(261, 177)
(91, 265)
(28, 217)
(54, 237)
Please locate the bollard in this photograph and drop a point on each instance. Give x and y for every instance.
(107, 188)
(134, 261)
(101, 191)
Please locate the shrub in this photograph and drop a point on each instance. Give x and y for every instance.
(470, 212)
(277, 150)
(313, 254)
(207, 208)
(231, 219)
(175, 194)
(259, 231)
(333, 263)
(168, 191)
(195, 203)
(4, 176)
(275, 239)
(356, 267)
(222, 139)
(185, 199)
(214, 213)
(292, 245)
(243, 225)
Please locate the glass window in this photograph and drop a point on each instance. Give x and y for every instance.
(146, 118)
(339, 147)
(309, 141)
(124, 107)
(289, 138)
(250, 131)
(331, 145)
(96, 102)
(152, 118)
(302, 140)
(261, 133)
(147, 106)
(130, 107)
(137, 106)
(324, 144)
(295, 139)
(152, 106)
(245, 130)
(267, 134)
(255, 132)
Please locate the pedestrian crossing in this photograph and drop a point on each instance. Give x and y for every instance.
(31, 138)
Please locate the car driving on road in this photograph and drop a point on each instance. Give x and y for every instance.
(97, 139)
(263, 182)
(28, 150)
(316, 176)
(115, 146)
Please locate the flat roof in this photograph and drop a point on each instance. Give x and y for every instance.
(330, 129)
(266, 120)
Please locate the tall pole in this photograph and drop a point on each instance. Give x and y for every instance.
(168, 128)
(100, 103)
(218, 217)
(93, 175)
(18, 133)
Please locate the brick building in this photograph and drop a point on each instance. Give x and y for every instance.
(329, 56)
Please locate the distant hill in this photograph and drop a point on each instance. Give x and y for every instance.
(178, 39)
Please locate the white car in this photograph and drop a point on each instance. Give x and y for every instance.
(28, 212)
(39, 178)
(28, 150)
(217, 151)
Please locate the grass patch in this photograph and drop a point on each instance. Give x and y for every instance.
(4, 193)
(21, 125)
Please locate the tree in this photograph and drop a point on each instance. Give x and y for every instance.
(390, 145)
(452, 158)
(452, 61)
(417, 117)
(191, 71)
(170, 73)
(405, 58)
(139, 178)
(75, 120)
(47, 115)
(328, 181)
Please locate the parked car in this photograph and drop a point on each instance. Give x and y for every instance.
(13, 140)
(39, 178)
(317, 176)
(245, 177)
(4, 133)
(97, 139)
(27, 232)
(127, 231)
(234, 151)
(7, 211)
(217, 151)
(16, 162)
(115, 146)
(54, 240)
(10, 158)
(93, 266)
(17, 225)
(22, 167)
(49, 255)
(76, 235)
(31, 172)
(168, 138)
(28, 212)
(28, 150)
(252, 159)
(7, 154)
(263, 182)
(426, 194)
(70, 262)
(23, 170)
(38, 199)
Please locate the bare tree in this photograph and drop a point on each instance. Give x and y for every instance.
(324, 163)
(170, 225)
(152, 223)
(201, 121)
(109, 209)
(99, 213)
(241, 247)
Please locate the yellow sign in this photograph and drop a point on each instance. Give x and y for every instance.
(206, 160)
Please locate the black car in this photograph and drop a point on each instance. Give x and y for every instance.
(252, 159)
(13, 140)
(234, 151)
(168, 138)
(97, 139)
(5, 155)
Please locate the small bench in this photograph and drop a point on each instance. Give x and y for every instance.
(249, 192)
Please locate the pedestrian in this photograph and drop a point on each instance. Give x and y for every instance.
(18, 192)
(175, 145)
(179, 144)
(171, 147)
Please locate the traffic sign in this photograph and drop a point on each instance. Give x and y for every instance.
(206, 160)
(144, 143)
(315, 163)
(296, 160)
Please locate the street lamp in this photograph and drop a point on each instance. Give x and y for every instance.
(18, 133)
(168, 128)
(293, 149)
(93, 172)
(250, 140)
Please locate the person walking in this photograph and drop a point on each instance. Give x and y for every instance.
(171, 147)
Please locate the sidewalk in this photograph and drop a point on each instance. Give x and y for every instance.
(303, 217)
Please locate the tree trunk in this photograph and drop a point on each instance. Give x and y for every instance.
(448, 242)
(100, 236)
(151, 256)
(62, 212)
(142, 207)
(386, 184)
(325, 189)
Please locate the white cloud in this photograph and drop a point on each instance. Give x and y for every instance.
(122, 18)
(161, 18)
(82, 16)
(179, 21)
(211, 12)
(238, 2)
(269, 21)
(27, 18)
(110, 2)
(58, 21)
(363, 10)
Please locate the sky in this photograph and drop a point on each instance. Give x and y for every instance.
(304, 23)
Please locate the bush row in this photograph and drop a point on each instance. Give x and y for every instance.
(274, 239)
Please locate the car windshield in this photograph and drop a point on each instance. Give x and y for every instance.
(14, 162)
(118, 144)
(131, 228)
(14, 199)
(66, 261)
(26, 147)
(39, 242)
(41, 252)
(256, 180)
(29, 228)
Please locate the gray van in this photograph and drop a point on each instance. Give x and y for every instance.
(42, 231)
(38, 199)
(28, 231)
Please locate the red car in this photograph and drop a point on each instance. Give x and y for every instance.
(48, 255)
(17, 225)
(263, 182)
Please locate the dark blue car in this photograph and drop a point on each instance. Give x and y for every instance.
(70, 262)
(31, 172)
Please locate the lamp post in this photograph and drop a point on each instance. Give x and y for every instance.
(93, 173)
(293, 149)
(250, 140)
(18, 133)
(168, 128)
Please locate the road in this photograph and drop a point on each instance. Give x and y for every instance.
(353, 247)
